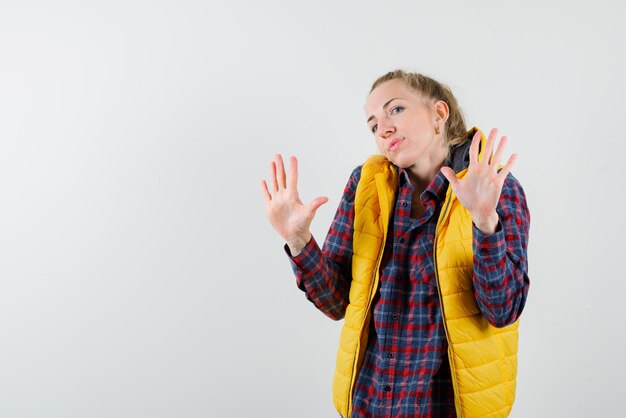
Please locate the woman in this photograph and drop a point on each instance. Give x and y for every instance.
(425, 258)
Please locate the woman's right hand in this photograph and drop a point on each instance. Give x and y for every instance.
(288, 215)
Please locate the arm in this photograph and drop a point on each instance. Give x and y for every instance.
(500, 259)
(325, 275)
(500, 219)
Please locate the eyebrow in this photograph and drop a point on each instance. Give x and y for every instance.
(384, 107)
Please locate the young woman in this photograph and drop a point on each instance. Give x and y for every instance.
(425, 259)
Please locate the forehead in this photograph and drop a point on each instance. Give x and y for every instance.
(386, 91)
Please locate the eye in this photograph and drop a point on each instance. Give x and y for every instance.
(397, 109)
(374, 128)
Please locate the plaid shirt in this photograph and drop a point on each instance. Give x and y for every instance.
(406, 371)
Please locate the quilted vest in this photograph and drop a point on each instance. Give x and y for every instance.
(483, 358)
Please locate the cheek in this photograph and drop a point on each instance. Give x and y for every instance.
(379, 144)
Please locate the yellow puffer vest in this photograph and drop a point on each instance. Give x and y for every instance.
(483, 358)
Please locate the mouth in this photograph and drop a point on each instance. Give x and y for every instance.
(394, 144)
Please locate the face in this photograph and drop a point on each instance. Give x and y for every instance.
(404, 124)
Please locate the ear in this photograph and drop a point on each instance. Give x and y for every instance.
(442, 111)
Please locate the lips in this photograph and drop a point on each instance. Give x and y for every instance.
(394, 143)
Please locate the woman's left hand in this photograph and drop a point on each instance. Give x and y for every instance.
(480, 190)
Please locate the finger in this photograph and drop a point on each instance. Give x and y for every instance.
(451, 176)
(493, 134)
(292, 181)
(495, 161)
(508, 166)
(273, 177)
(280, 172)
(266, 193)
(473, 151)
(314, 204)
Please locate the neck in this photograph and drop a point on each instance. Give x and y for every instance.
(424, 171)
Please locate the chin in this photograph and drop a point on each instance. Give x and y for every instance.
(401, 161)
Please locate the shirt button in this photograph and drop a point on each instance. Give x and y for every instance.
(395, 316)
(492, 285)
(387, 388)
(404, 205)
(401, 240)
(389, 355)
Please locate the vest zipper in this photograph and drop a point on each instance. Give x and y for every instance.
(457, 400)
(367, 318)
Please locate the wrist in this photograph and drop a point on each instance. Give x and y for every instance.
(297, 244)
(486, 224)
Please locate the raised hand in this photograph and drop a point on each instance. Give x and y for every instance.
(288, 215)
(480, 190)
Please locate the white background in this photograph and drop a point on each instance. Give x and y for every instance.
(139, 276)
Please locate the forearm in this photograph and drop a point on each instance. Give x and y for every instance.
(500, 278)
(321, 278)
(500, 257)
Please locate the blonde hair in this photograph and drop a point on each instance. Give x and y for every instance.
(455, 130)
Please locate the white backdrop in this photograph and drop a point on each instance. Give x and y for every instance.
(139, 276)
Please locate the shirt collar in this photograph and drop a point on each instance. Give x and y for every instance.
(436, 188)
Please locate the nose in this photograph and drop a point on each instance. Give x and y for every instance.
(385, 127)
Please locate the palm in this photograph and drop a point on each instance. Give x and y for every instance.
(289, 216)
(480, 189)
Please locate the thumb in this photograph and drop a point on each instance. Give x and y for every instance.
(450, 175)
(314, 205)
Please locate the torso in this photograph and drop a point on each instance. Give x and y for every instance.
(401, 373)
